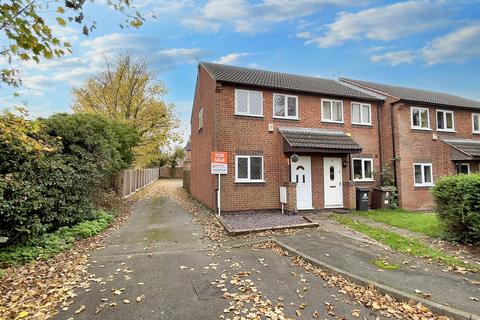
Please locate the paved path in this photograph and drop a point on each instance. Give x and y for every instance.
(355, 256)
(159, 257)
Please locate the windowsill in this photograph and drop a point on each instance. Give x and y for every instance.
(447, 130)
(421, 129)
(475, 132)
(250, 182)
(424, 186)
(368, 125)
(248, 115)
(285, 118)
(364, 180)
(333, 122)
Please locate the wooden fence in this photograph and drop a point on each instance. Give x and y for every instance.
(129, 181)
(186, 179)
(169, 172)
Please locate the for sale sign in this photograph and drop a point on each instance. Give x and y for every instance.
(219, 162)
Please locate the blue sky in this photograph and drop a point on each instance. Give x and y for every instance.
(426, 44)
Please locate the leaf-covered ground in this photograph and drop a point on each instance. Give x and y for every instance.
(34, 290)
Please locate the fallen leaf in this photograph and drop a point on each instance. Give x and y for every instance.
(82, 307)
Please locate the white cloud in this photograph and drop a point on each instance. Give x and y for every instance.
(395, 58)
(384, 23)
(232, 57)
(247, 17)
(457, 47)
(170, 58)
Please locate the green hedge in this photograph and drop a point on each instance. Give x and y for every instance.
(50, 244)
(458, 206)
(45, 188)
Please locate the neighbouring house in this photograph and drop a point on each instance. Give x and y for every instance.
(425, 135)
(322, 138)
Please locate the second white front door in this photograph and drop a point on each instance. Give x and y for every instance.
(332, 177)
(302, 175)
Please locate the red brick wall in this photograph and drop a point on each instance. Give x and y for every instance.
(202, 182)
(248, 135)
(420, 146)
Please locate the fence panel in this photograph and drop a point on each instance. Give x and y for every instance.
(130, 181)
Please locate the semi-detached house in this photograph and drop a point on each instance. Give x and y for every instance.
(322, 138)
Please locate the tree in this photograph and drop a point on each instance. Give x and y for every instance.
(168, 158)
(128, 91)
(25, 24)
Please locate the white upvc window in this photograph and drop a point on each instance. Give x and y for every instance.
(362, 169)
(332, 110)
(361, 113)
(463, 168)
(200, 119)
(285, 106)
(476, 122)
(422, 174)
(445, 120)
(248, 103)
(420, 118)
(249, 168)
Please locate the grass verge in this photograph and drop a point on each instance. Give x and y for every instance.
(418, 222)
(52, 243)
(403, 244)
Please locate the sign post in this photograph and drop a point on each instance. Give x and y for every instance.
(219, 166)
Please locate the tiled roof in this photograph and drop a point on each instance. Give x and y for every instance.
(321, 139)
(416, 95)
(468, 147)
(277, 80)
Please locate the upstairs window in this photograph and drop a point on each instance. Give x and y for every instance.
(332, 111)
(249, 169)
(420, 118)
(285, 106)
(362, 169)
(361, 113)
(476, 123)
(200, 119)
(445, 120)
(248, 103)
(422, 174)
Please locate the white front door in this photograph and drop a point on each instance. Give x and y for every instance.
(302, 175)
(332, 177)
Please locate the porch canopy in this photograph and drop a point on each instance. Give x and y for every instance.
(464, 149)
(314, 140)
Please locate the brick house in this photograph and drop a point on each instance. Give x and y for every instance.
(425, 135)
(319, 138)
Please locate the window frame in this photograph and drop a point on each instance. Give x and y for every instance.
(445, 119)
(200, 119)
(286, 106)
(423, 183)
(363, 169)
(321, 113)
(248, 114)
(248, 179)
(467, 164)
(473, 123)
(428, 128)
(361, 104)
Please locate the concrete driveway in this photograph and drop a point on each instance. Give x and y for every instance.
(158, 266)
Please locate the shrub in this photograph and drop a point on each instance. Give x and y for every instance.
(43, 189)
(50, 244)
(458, 206)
